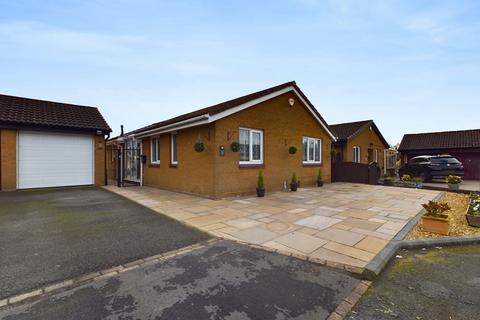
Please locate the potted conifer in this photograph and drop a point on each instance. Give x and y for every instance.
(320, 178)
(260, 185)
(294, 182)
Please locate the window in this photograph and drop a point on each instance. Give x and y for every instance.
(312, 150)
(376, 155)
(173, 149)
(251, 146)
(356, 154)
(155, 151)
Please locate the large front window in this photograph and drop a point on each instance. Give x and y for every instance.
(312, 150)
(251, 146)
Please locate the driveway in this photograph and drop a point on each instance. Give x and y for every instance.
(223, 280)
(51, 235)
(438, 283)
(344, 223)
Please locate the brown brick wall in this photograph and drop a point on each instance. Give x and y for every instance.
(8, 159)
(99, 160)
(283, 126)
(363, 140)
(194, 172)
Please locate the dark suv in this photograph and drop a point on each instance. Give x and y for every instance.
(432, 167)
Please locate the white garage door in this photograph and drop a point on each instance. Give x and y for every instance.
(54, 159)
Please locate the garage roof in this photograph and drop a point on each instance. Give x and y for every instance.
(18, 111)
(441, 140)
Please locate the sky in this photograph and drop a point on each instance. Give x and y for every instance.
(411, 66)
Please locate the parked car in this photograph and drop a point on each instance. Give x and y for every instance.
(432, 167)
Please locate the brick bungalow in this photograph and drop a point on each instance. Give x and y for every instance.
(360, 142)
(50, 144)
(463, 145)
(263, 125)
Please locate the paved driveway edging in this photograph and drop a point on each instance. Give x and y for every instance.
(95, 276)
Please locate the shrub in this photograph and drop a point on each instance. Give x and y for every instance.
(453, 179)
(320, 176)
(417, 179)
(406, 178)
(294, 178)
(260, 180)
(436, 209)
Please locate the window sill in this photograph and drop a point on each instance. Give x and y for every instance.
(173, 165)
(312, 164)
(251, 165)
(154, 165)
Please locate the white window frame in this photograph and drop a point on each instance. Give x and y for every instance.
(376, 155)
(250, 145)
(172, 161)
(313, 140)
(357, 154)
(157, 141)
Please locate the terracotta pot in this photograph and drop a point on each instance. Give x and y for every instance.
(473, 221)
(260, 192)
(435, 225)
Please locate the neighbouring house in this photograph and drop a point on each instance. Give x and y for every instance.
(360, 142)
(240, 137)
(463, 145)
(50, 144)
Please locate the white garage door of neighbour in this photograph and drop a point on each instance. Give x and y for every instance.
(54, 159)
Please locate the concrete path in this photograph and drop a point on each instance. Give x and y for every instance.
(47, 236)
(224, 280)
(347, 224)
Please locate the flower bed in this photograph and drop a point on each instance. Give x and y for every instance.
(459, 204)
(473, 212)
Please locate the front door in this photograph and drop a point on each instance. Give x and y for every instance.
(132, 160)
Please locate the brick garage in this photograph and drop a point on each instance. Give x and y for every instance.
(50, 144)
(463, 145)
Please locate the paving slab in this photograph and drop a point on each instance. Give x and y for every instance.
(346, 214)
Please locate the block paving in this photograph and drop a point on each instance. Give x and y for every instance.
(341, 223)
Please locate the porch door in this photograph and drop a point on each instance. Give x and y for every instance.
(132, 160)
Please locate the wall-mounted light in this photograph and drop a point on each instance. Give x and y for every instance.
(291, 102)
(221, 151)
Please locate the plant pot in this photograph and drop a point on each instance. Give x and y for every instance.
(260, 193)
(454, 186)
(436, 225)
(388, 182)
(320, 183)
(419, 185)
(293, 186)
(473, 221)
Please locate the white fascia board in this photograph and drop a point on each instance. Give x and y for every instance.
(251, 103)
(192, 122)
